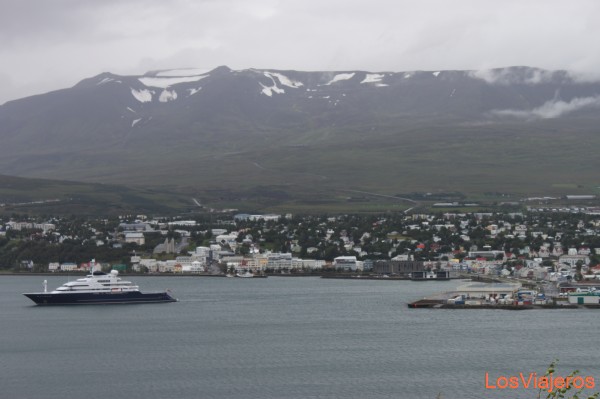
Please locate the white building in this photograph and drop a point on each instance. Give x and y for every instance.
(229, 239)
(68, 266)
(572, 260)
(151, 264)
(202, 252)
(135, 237)
(189, 223)
(347, 263)
(278, 261)
(307, 263)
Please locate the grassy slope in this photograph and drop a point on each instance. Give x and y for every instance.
(312, 170)
(85, 199)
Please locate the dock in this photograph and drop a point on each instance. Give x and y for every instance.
(438, 304)
(500, 295)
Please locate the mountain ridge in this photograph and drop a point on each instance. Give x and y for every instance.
(264, 127)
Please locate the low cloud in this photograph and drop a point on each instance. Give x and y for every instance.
(519, 75)
(552, 109)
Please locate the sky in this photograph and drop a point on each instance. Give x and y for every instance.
(49, 45)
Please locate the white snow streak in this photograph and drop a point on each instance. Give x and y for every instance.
(284, 80)
(135, 121)
(164, 83)
(105, 80)
(194, 91)
(340, 77)
(374, 78)
(167, 95)
(270, 90)
(143, 96)
(435, 74)
(129, 108)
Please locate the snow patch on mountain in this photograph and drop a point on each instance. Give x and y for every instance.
(339, 77)
(108, 80)
(270, 90)
(143, 96)
(135, 121)
(435, 73)
(167, 95)
(284, 80)
(131, 109)
(373, 78)
(166, 82)
(193, 91)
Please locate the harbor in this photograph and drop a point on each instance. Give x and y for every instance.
(510, 296)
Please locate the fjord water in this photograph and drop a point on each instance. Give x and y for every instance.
(280, 338)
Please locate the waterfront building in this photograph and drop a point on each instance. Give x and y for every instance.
(279, 261)
(584, 298)
(396, 267)
(478, 290)
(68, 266)
(347, 263)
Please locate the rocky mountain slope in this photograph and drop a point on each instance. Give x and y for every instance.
(516, 129)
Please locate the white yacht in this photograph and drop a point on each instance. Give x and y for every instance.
(98, 288)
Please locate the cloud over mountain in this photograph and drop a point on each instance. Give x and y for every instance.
(552, 108)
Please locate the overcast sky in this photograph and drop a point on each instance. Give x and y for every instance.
(47, 45)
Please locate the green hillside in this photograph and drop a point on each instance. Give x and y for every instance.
(307, 145)
(53, 197)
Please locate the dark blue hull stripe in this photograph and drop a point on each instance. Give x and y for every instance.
(99, 299)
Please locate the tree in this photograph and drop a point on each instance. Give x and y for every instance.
(559, 388)
(578, 267)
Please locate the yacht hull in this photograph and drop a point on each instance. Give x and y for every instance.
(86, 298)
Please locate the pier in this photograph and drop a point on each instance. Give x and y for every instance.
(498, 295)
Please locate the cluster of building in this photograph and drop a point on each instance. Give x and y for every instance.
(531, 244)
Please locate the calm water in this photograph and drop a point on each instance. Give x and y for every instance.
(279, 338)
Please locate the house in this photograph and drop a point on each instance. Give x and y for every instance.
(584, 251)
(135, 237)
(572, 260)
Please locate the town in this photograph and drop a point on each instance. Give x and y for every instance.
(539, 244)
